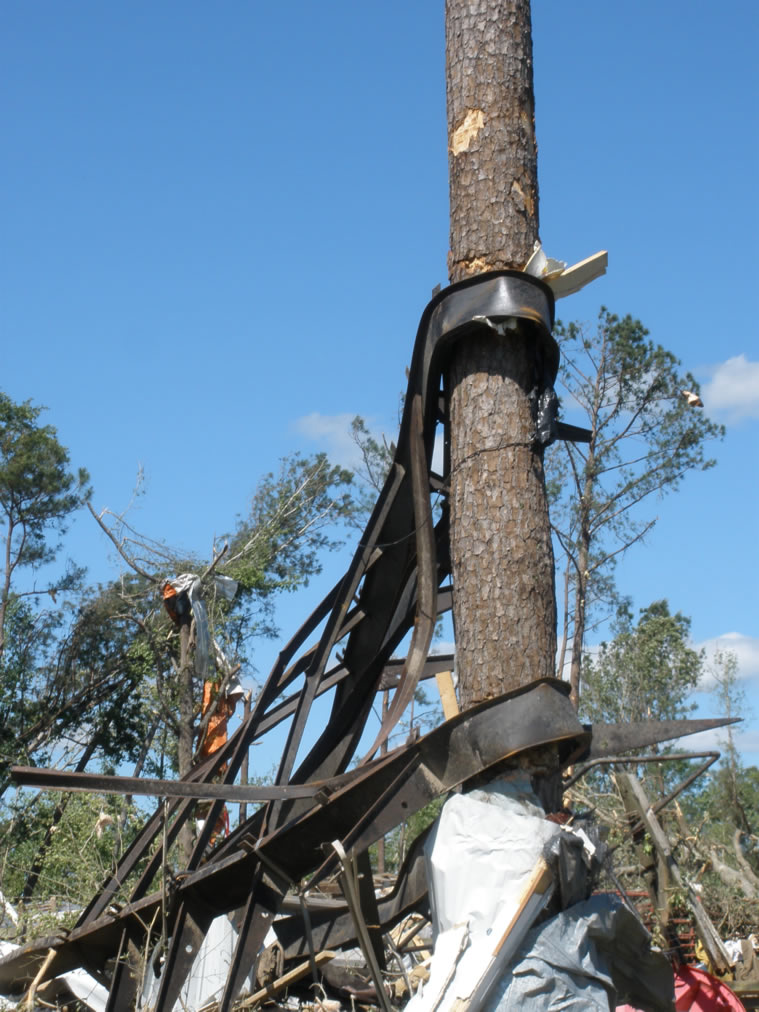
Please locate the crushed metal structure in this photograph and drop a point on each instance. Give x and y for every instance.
(398, 582)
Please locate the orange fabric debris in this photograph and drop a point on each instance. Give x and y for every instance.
(216, 731)
(214, 738)
(169, 595)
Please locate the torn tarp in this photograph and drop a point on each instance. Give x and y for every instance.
(592, 956)
(493, 863)
(187, 588)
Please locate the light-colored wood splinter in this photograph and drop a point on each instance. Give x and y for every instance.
(286, 979)
(447, 692)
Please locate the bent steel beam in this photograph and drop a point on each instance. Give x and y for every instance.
(392, 581)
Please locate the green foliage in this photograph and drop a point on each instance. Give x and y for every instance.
(105, 663)
(398, 842)
(376, 460)
(645, 438)
(647, 672)
(99, 680)
(277, 546)
(88, 834)
(77, 688)
(728, 803)
(730, 701)
(29, 639)
(723, 813)
(38, 492)
(124, 628)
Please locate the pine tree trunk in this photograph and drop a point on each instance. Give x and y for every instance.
(578, 635)
(186, 726)
(585, 492)
(504, 602)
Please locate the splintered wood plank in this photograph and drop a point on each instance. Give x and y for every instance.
(447, 692)
(286, 979)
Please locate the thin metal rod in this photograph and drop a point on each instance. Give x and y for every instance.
(650, 758)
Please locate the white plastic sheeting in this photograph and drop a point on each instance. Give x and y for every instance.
(7, 910)
(226, 587)
(205, 982)
(484, 858)
(480, 857)
(84, 987)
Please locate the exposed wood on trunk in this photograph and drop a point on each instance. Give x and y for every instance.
(492, 152)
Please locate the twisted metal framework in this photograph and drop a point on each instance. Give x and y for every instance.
(397, 582)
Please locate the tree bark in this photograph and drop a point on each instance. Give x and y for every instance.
(504, 602)
(581, 591)
(492, 152)
(186, 729)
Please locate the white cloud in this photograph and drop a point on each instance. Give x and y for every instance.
(442, 647)
(745, 740)
(746, 650)
(332, 433)
(733, 389)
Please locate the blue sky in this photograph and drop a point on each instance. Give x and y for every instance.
(222, 222)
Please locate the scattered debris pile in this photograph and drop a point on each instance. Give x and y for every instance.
(253, 915)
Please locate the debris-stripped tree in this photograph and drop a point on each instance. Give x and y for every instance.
(645, 436)
(504, 604)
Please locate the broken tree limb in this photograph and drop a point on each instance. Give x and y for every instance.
(636, 802)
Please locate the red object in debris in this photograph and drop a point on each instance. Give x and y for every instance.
(560, 818)
(697, 991)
